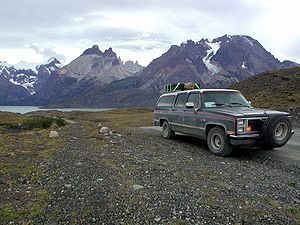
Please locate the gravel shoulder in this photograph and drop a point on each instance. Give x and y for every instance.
(179, 182)
(134, 176)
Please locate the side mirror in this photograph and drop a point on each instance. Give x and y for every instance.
(189, 105)
(249, 102)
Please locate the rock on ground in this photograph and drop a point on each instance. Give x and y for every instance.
(53, 134)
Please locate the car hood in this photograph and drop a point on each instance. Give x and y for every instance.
(245, 111)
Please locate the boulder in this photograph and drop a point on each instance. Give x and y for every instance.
(53, 134)
(104, 130)
(137, 187)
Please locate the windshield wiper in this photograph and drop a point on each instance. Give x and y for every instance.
(240, 104)
(218, 104)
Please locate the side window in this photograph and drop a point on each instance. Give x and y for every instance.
(180, 101)
(194, 97)
(165, 102)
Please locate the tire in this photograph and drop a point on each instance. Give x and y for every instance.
(218, 142)
(166, 132)
(276, 131)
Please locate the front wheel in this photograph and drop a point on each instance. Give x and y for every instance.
(167, 133)
(218, 142)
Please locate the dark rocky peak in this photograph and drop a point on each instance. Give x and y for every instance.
(188, 44)
(174, 47)
(93, 51)
(240, 39)
(288, 63)
(223, 39)
(109, 53)
(4, 72)
(133, 66)
(53, 62)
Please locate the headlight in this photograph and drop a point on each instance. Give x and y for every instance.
(240, 130)
(241, 122)
(242, 126)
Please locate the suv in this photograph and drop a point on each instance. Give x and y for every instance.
(222, 117)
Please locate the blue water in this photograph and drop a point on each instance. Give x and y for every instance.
(26, 109)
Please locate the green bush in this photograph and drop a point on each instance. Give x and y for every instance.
(43, 122)
(60, 121)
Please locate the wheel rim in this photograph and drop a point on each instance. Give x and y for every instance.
(281, 131)
(216, 141)
(165, 130)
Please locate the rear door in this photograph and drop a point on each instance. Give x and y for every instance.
(178, 111)
(190, 124)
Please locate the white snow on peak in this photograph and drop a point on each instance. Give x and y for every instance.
(27, 83)
(26, 66)
(188, 60)
(248, 41)
(214, 47)
(50, 60)
(21, 65)
(4, 69)
(244, 66)
(59, 65)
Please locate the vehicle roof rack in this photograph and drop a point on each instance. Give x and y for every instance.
(182, 86)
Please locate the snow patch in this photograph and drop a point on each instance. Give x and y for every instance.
(4, 69)
(28, 82)
(21, 66)
(188, 60)
(244, 66)
(214, 47)
(248, 41)
(58, 65)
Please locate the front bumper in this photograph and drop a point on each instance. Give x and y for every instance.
(245, 139)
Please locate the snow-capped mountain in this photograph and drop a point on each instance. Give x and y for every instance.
(101, 79)
(28, 77)
(216, 63)
(91, 70)
(101, 67)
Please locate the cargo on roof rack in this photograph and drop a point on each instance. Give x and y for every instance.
(182, 86)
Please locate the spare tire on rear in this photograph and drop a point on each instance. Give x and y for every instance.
(276, 131)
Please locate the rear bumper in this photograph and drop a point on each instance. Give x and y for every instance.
(246, 139)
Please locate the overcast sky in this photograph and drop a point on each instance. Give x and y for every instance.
(34, 30)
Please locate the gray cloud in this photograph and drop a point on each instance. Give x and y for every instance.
(86, 22)
(47, 52)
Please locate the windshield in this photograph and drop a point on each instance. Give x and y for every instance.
(224, 99)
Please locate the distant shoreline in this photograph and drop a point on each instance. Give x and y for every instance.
(27, 109)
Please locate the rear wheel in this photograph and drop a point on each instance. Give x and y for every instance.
(218, 142)
(276, 131)
(166, 131)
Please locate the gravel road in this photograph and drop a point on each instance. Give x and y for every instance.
(141, 178)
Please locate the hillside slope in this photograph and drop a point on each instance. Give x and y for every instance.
(273, 89)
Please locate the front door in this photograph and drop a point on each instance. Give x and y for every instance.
(178, 112)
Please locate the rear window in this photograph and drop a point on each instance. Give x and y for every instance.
(165, 102)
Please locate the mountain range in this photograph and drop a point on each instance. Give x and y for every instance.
(101, 79)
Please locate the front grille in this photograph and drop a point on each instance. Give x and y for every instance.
(256, 125)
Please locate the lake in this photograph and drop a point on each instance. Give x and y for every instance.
(26, 109)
